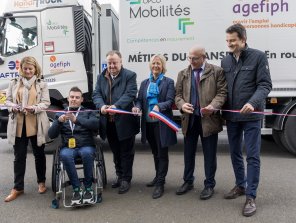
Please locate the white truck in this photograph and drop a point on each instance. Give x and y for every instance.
(172, 27)
(59, 34)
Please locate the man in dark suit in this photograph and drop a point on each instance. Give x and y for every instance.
(201, 88)
(117, 88)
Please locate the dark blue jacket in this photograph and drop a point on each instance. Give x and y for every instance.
(248, 81)
(165, 101)
(86, 125)
(123, 94)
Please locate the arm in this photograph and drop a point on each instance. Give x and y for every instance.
(130, 92)
(44, 99)
(55, 128)
(263, 83)
(90, 121)
(98, 94)
(221, 90)
(167, 104)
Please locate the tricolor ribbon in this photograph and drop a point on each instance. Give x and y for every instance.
(174, 126)
(120, 111)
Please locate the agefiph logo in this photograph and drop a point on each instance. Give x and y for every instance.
(264, 6)
(58, 64)
(14, 65)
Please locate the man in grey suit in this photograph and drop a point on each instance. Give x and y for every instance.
(117, 88)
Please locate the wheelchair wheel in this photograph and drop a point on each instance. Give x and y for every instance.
(101, 166)
(55, 174)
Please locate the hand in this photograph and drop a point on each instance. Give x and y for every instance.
(16, 109)
(62, 118)
(29, 109)
(70, 116)
(112, 113)
(156, 108)
(187, 108)
(248, 108)
(136, 110)
(208, 110)
(103, 109)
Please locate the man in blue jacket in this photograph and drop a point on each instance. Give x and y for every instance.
(249, 83)
(117, 88)
(77, 128)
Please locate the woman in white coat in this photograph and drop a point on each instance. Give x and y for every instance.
(27, 99)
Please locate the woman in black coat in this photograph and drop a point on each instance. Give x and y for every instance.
(157, 93)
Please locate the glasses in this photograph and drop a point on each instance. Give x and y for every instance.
(193, 58)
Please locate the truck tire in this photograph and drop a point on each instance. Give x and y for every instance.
(287, 135)
(276, 134)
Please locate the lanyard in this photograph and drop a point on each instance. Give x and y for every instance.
(72, 125)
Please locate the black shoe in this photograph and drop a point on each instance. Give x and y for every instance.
(76, 197)
(88, 196)
(158, 192)
(116, 183)
(206, 193)
(184, 188)
(235, 192)
(249, 207)
(124, 187)
(152, 183)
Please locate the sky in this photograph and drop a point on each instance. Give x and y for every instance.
(114, 3)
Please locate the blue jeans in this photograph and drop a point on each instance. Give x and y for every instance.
(209, 146)
(251, 132)
(87, 154)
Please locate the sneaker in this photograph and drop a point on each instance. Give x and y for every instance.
(77, 196)
(88, 196)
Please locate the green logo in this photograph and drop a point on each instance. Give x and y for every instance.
(183, 22)
(134, 2)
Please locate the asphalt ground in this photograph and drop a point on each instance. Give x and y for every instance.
(275, 201)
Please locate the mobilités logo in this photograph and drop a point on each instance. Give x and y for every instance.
(134, 2)
(142, 9)
(183, 22)
(55, 26)
(14, 65)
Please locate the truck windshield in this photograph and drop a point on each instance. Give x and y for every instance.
(19, 34)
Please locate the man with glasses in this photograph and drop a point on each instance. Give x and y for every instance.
(200, 90)
(117, 88)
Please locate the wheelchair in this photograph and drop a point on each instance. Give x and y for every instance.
(60, 179)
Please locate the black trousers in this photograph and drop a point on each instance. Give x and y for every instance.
(209, 146)
(123, 153)
(160, 154)
(20, 156)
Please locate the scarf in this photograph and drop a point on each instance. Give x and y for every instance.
(27, 86)
(153, 90)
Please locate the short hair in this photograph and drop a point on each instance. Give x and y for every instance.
(75, 89)
(239, 29)
(31, 61)
(163, 62)
(112, 52)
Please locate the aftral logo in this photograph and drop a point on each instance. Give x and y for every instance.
(183, 22)
(14, 65)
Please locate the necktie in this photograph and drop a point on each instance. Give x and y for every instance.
(196, 73)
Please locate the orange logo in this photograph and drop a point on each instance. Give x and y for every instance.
(53, 59)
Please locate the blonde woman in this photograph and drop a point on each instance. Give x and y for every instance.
(27, 99)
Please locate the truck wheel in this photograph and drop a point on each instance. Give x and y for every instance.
(288, 138)
(276, 134)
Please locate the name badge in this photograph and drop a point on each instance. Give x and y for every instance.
(72, 143)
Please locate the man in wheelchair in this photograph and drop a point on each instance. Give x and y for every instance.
(76, 126)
